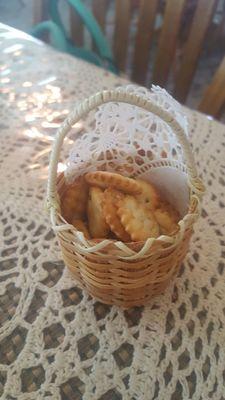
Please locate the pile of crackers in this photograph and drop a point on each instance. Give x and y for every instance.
(105, 205)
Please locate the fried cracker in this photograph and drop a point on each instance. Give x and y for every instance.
(110, 207)
(104, 180)
(167, 218)
(149, 195)
(81, 227)
(138, 220)
(173, 212)
(74, 200)
(97, 224)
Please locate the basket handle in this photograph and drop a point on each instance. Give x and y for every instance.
(107, 96)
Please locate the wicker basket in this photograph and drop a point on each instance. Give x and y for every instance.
(113, 272)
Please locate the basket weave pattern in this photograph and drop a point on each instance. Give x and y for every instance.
(117, 273)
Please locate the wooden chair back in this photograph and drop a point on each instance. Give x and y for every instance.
(156, 52)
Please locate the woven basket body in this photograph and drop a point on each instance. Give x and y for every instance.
(113, 272)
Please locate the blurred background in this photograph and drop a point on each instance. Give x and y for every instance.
(178, 44)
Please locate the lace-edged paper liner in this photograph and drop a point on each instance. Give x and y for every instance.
(134, 142)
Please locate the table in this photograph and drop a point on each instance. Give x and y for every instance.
(56, 342)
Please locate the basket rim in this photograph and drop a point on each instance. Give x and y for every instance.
(89, 246)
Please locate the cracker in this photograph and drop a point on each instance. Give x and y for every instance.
(149, 195)
(104, 180)
(138, 220)
(173, 212)
(98, 226)
(167, 218)
(74, 200)
(110, 208)
(81, 227)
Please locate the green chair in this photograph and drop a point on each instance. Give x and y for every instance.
(60, 40)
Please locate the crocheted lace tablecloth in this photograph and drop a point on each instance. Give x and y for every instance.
(56, 342)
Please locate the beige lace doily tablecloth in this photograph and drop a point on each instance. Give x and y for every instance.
(55, 341)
